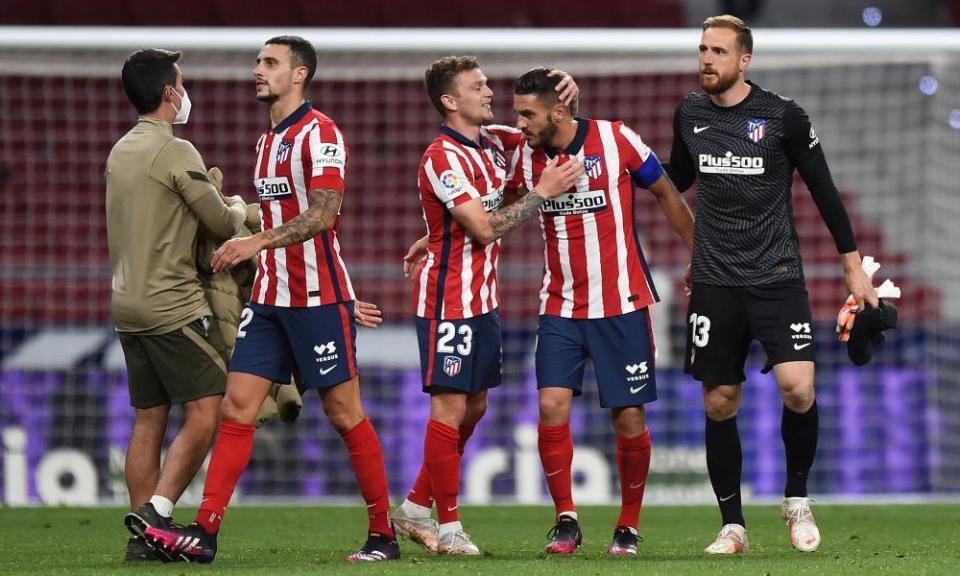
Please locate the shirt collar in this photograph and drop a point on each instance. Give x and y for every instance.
(293, 118)
(753, 92)
(159, 123)
(583, 126)
(444, 129)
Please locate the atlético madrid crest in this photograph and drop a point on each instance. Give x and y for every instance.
(451, 365)
(756, 129)
(283, 151)
(593, 166)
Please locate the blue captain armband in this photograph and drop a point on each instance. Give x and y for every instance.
(648, 174)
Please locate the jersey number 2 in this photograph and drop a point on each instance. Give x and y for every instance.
(246, 317)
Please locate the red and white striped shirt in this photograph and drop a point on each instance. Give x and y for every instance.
(304, 152)
(458, 278)
(594, 267)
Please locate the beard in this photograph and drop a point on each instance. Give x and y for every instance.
(269, 97)
(543, 138)
(717, 83)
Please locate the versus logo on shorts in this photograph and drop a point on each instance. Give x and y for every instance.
(276, 188)
(801, 332)
(326, 353)
(637, 372)
(452, 365)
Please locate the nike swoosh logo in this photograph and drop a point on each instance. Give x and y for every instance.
(452, 508)
(699, 129)
(554, 473)
(637, 389)
(325, 371)
(801, 346)
(638, 485)
(728, 497)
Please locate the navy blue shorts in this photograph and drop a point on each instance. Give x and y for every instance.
(460, 354)
(622, 350)
(318, 342)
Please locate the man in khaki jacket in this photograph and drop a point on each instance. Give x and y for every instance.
(159, 193)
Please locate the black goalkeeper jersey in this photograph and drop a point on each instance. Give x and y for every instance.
(743, 158)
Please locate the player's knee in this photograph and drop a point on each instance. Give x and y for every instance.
(476, 408)
(342, 415)
(554, 409)
(236, 411)
(721, 404)
(797, 397)
(629, 422)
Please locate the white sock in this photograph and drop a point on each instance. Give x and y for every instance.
(570, 514)
(449, 527)
(163, 505)
(414, 510)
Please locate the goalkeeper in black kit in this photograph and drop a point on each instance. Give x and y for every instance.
(741, 144)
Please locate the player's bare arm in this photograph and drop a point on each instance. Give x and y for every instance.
(502, 221)
(679, 215)
(319, 217)
(675, 208)
(555, 180)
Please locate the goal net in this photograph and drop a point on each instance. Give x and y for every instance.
(884, 105)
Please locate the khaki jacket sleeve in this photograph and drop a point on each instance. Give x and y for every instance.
(181, 167)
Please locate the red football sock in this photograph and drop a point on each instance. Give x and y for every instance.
(231, 454)
(465, 433)
(633, 461)
(442, 461)
(366, 457)
(556, 455)
(421, 493)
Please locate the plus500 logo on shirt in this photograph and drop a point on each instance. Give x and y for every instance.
(272, 188)
(730, 164)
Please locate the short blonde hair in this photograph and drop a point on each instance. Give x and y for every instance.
(744, 34)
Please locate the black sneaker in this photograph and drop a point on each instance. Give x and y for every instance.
(565, 536)
(624, 542)
(145, 517)
(187, 543)
(139, 551)
(379, 547)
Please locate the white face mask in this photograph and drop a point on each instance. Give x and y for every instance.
(184, 111)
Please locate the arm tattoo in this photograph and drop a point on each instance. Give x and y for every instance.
(506, 219)
(323, 210)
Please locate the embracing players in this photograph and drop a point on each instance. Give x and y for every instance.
(461, 179)
(596, 291)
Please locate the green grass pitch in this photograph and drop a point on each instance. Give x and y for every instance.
(913, 540)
